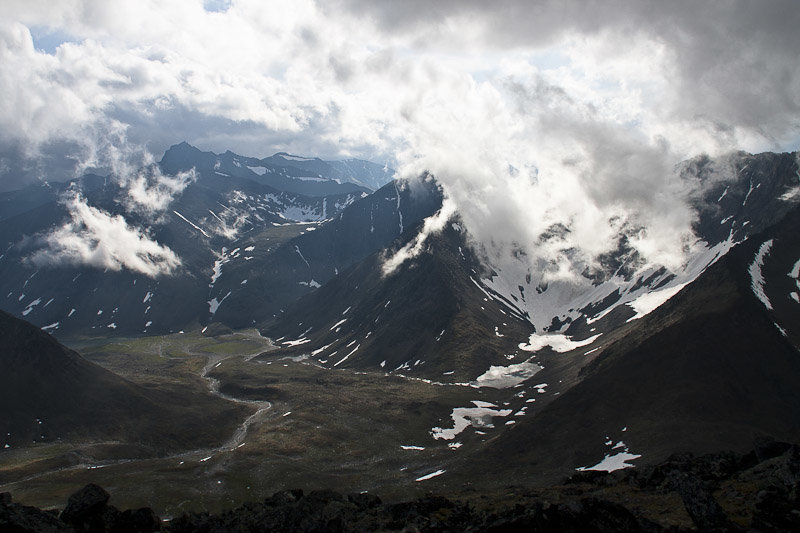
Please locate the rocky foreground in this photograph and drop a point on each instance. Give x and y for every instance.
(758, 491)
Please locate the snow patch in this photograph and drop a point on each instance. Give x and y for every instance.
(297, 342)
(214, 304)
(556, 341)
(610, 463)
(649, 301)
(195, 226)
(338, 324)
(295, 157)
(258, 170)
(297, 249)
(756, 277)
(31, 305)
(504, 377)
(479, 416)
(431, 475)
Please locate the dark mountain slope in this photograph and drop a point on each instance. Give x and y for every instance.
(212, 213)
(281, 171)
(294, 268)
(49, 392)
(426, 319)
(707, 371)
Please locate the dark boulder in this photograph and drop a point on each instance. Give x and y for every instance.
(703, 509)
(18, 518)
(88, 501)
(136, 520)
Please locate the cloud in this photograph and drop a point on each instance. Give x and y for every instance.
(150, 192)
(97, 238)
(554, 127)
(433, 224)
(232, 219)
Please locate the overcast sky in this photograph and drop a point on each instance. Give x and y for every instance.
(579, 108)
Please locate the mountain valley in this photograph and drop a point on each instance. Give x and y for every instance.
(280, 352)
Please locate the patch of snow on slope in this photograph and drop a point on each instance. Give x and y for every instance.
(297, 342)
(618, 461)
(544, 300)
(399, 213)
(297, 249)
(431, 475)
(320, 350)
(31, 305)
(649, 301)
(479, 416)
(338, 324)
(258, 170)
(746, 196)
(195, 226)
(343, 359)
(556, 341)
(214, 304)
(610, 463)
(756, 278)
(795, 273)
(222, 258)
(300, 213)
(504, 377)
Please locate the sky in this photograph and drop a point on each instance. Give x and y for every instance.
(531, 114)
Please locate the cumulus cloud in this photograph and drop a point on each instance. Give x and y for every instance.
(150, 192)
(554, 127)
(97, 238)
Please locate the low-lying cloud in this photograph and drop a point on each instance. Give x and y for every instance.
(96, 238)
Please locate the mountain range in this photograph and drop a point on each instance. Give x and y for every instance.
(620, 368)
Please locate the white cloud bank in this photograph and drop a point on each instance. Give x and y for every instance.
(553, 127)
(94, 237)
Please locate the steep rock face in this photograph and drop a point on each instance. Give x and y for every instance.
(50, 392)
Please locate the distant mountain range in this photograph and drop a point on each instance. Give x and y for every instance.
(282, 171)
